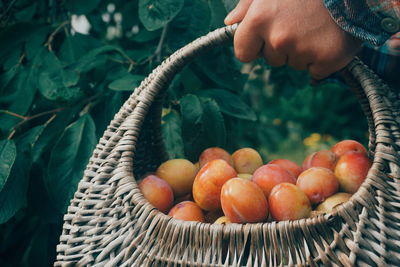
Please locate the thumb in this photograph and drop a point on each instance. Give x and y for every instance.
(238, 13)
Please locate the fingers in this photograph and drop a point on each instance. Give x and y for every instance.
(247, 44)
(238, 13)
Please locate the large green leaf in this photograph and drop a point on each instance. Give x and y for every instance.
(230, 103)
(202, 125)
(154, 14)
(192, 113)
(8, 153)
(57, 84)
(52, 131)
(13, 195)
(193, 21)
(126, 83)
(221, 67)
(214, 126)
(22, 90)
(94, 58)
(76, 46)
(81, 7)
(172, 133)
(68, 159)
(35, 43)
(192, 128)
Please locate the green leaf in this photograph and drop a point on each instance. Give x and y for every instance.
(54, 81)
(192, 128)
(70, 78)
(22, 90)
(220, 66)
(94, 58)
(13, 195)
(218, 13)
(68, 160)
(202, 125)
(13, 58)
(36, 42)
(214, 125)
(172, 135)
(145, 36)
(230, 4)
(5, 79)
(192, 113)
(154, 14)
(52, 131)
(27, 13)
(193, 21)
(8, 153)
(81, 7)
(15, 35)
(126, 83)
(27, 140)
(230, 103)
(76, 46)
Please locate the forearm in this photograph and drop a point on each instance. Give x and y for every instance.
(373, 21)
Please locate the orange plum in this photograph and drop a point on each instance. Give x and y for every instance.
(345, 146)
(288, 165)
(318, 183)
(243, 201)
(214, 153)
(351, 170)
(288, 202)
(270, 175)
(322, 158)
(209, 181)
(179, 174)
(158, 192)
(187, 211)
(246, 160)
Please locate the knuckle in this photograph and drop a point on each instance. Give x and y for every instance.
(257, 20)
(280, 41)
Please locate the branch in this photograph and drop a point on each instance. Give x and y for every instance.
(8, 8)
(157, 52)
(53, 34)
(161, 42)
(53, 111)
(26, 119)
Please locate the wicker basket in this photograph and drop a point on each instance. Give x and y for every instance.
(109, 223)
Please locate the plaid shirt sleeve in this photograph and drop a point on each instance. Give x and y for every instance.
(373, 21)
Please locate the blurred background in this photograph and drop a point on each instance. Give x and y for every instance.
(66, 67)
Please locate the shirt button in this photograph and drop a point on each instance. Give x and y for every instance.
(390, 25)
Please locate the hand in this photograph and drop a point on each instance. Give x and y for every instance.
(299, 33)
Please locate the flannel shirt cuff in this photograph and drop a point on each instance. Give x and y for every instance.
(356, 18)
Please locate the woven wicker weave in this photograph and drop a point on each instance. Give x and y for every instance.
(109, 223)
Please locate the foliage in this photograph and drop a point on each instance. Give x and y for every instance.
(60, 88)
